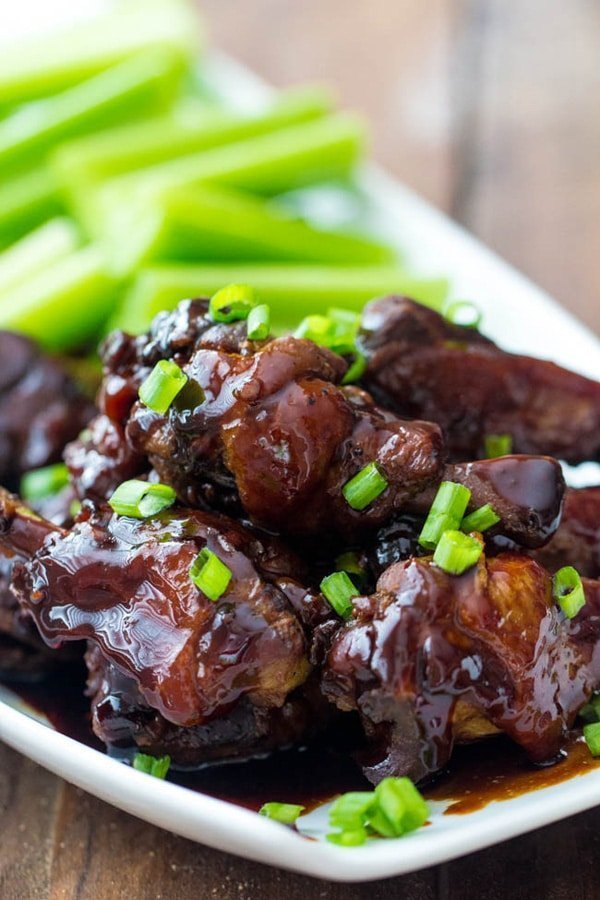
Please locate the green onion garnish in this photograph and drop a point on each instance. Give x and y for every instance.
(356, 369)
(446, 513)
(568, 591)
(286, 813)
(162, 385)
(232, 303)
(365, 487)
(141, 499)
(480, 520)
(40, 483)
(74, 508)
(338, 590)
(465, 313)
(456, 552)
(349, 562)
(394, 808)
(591, 711)
(210, 574)
(337, 330)
(497, 445)
(591, 734)
(158, 766)
(259, 322)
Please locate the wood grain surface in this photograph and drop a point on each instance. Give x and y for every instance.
(490, 110)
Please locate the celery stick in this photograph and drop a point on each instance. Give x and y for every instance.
(25, 202)
(186, 129)
(215, 224)
(292, 291)
(37, 250)
(63, 306)
(142, 84)
(56, 61)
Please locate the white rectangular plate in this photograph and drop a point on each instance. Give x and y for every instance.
(520, 317)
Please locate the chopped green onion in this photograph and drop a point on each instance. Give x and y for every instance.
(162, 385)
(465, 313)
(446, 513)
(401, 805)
(158, 766)
(259, 322)
(210, 574)
(345, 317)
(339, 590)
(591, 711)
(356, 369)
(232, 303)
(336, 332)
(568, 591)
(141, 499)
(74, 508)
(315, 328)
(286, 813)
(365, 487)
(349, 562)
(591, 734)
(456, 552)
(497, 445)
(45, 482)
(480, 519)
(394, 808)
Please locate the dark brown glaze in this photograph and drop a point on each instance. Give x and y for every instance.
(41, 408)
(577, 540)
(125, 585)
(421, 365)
(432, 657)
(277, 431)
(101, 459)
(121, 718)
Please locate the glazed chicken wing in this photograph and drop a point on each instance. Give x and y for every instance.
(421, 365)
(431, 658)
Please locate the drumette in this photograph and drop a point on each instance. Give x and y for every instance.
(421, 365)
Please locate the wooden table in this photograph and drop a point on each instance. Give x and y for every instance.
(490, 110)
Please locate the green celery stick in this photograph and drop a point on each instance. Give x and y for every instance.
(65, 305)
(26, 201)
(144, 83)
(268, 164)
(56, 61)
(37, 250)
(188, 128)
(215, 224)
(292, 291)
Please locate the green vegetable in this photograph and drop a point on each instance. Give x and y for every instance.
(480, 519)
(141, 499)
(27, 201)
(591, 711)
(591, 734)
(290, 290)
(567, 588)
(45, 482)
(286, 813)
(456, 552)
(208, 223)
(210, 575)
(465, 313)
(55, 61)
(446, 513)
(497, 445)
(339, 590)
(365, 487)
(64, 305)
(259, 323)
(47, 244)
(162, 385)
(232, 303)
(187, 128)
(393, 809)
(152, 765)
(129, 89)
